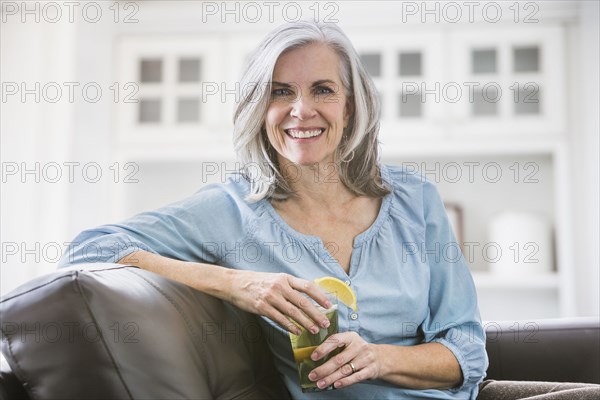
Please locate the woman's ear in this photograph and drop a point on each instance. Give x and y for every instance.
(348, 110)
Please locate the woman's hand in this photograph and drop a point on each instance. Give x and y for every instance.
(423, 366)
(338, 370)
(280, 296)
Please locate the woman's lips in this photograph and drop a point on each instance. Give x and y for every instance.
(304, 133)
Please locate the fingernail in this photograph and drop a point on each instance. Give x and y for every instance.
(314, 330)
(314, 356)
(328, 304)
(321, 384)
(325, 323)
(312, 376)
(297, 331)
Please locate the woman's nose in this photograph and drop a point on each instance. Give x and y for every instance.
(303, 108)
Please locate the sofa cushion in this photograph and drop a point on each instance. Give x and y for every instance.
(112, 331)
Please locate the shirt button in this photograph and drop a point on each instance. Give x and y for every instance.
(347, 282)
(353, 316)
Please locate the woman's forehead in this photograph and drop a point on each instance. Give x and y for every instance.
(308, 64)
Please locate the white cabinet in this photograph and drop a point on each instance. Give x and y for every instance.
(500, 82)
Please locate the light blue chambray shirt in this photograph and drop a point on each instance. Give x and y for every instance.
(411, 281)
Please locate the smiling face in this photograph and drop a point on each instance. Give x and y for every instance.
(308, 109)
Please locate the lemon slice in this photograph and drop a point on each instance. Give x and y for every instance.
(344, 292)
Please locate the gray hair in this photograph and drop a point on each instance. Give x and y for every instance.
(357, 154)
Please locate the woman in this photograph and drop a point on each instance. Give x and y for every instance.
(313, 201)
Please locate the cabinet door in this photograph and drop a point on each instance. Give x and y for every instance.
(404, 65)
(175, 78)
(512, 81)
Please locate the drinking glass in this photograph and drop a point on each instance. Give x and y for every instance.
(306, 342)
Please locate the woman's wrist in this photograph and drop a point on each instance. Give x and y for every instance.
(215, 280)
(385, 362)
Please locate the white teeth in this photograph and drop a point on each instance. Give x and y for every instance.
(304, 134)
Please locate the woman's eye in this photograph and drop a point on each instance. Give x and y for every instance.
(323, 90)
(281, 92)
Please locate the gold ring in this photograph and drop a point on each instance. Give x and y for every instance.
(352, 366)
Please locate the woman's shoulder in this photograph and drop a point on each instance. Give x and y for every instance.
(406, 179)
(413, 194)
(235, 187)
(219, 202)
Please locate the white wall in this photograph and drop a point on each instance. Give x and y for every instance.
(36, 136)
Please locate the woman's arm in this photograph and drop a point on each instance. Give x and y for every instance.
(197, 229)
(428, 365)
(210, 279)
(276, 296)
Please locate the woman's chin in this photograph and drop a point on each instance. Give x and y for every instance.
(308, 162)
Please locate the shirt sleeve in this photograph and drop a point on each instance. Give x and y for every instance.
(453, 319)
(198, 228)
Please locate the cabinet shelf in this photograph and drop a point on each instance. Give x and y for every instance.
(466, 145)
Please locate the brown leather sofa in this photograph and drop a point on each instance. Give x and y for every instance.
(108, 331)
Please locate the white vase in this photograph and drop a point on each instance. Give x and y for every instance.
(520, 243)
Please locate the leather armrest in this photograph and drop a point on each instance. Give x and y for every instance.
(561, 350)
(122, 332)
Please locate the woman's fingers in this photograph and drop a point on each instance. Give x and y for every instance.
(338, 370)
(311, 289)
(297, 306)
(282, 298)
(306, 305)
(307, 311)
(344, 376)
(275, 315)
(276, 297)
(333, 342)
(291, 310)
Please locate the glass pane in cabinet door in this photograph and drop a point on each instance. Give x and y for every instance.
(485, 101)
(149, 111)
(526, 59)
(410, 105)
(483, 61)
(527, 100)
(150, 70)
(409, 64)
(189, 70)
(372, 63)
(188, 109)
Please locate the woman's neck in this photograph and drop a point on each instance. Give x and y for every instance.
(317, 184)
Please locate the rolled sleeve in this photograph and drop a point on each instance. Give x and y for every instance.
(466, 342)
(195, 229)
(106, 244)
